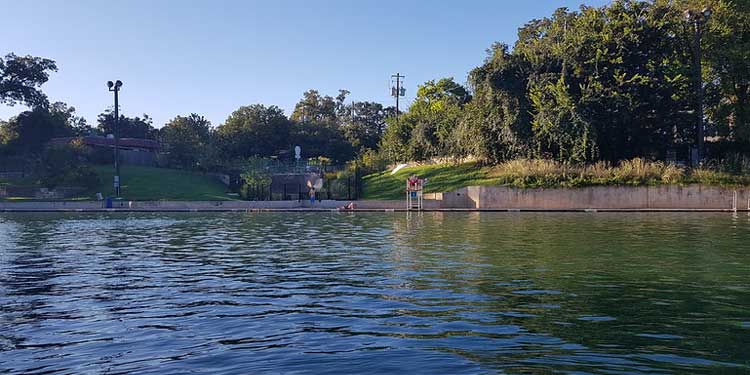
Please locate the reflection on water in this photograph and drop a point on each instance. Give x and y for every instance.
(375, 293)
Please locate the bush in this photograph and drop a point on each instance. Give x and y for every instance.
(372, 161)
(709, 176)
(641, 172)
(538, 173)
(734, 163)
(63, 165)
(533, 173)
(84, 176)
(256, 180)
(100, 155)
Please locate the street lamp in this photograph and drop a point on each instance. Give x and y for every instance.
(115, 87)
(697, 20)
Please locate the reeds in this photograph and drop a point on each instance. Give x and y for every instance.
(530, 173)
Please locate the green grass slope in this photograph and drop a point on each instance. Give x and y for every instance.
(440, 178)
(524, 174)
(146, 183)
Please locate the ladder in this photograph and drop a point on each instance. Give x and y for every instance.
(414, 200)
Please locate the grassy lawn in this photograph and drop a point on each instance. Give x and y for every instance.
(440, 178)
(146, 183)
(545, 174)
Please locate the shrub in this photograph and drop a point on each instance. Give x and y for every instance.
(256, 180)
(642, 172)
(712, 176)
(372, 161)
(532, 173)
(63, 165)
(734, 163)
(537, 173)
(84, 176)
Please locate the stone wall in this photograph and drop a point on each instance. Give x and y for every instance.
(202, 205)
(693, 197)
(598, 197)
(38, 193)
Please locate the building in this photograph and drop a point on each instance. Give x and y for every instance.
(133, 151)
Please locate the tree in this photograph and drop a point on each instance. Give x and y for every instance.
(254, 130)
(5, 137)
(315, 108)
(322, 139)
(127, 127)
(427, 130)
(30, 130)
(395, 142)
(21, 77)
(62, 165)
(726, 65)
(186, 139)
(497, 124)
(317, 128)
(77, 124)
(256, 179)
(365, 125)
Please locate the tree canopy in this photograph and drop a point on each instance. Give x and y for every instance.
(601, 83)
(186, 139)
(127, 127)
(21, 77)
(254, 130)
(30, 130)
(598, 83)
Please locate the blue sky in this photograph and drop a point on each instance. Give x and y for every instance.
(210, 57)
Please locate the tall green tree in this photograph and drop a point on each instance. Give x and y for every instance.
(315, 108)
(254, 130)
(30, 130)
(497, 125)
(322, 139)
(427, 129)
(186, 139)
(318, 123)
(365, 124)
(66, 113)
(726, 65)
(127, 127)
(21, 77)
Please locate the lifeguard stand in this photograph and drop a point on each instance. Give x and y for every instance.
(414, 189)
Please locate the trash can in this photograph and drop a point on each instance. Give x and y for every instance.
(109, 202)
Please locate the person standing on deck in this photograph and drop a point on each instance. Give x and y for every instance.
(312, 195)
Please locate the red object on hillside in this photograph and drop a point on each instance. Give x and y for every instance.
(414, 183)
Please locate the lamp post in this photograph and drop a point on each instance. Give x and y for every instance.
(115, 87)
(697, 20)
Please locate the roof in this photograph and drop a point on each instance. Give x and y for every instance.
(148, 144)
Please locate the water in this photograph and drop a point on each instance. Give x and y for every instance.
(449, 293)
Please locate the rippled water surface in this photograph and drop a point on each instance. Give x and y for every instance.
(377, 293)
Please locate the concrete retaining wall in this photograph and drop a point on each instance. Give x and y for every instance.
(38, 193)
(203, 205)
(599, 197)
(694, 197)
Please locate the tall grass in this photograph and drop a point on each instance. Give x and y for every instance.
(537, 173)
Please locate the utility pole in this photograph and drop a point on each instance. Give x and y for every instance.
(398, 90)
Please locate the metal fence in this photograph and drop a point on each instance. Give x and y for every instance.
(339, 189)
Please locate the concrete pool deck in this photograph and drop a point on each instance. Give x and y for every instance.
(691, 198)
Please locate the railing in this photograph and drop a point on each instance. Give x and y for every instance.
(340, 189)
(300, 167)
